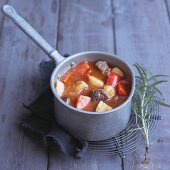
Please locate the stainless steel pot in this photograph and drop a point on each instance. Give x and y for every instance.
(92, 126)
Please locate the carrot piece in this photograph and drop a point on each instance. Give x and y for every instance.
(82, 102)
(82, 68)
(66, 78)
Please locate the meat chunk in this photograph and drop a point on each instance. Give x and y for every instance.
(104, 67)
(98, 95)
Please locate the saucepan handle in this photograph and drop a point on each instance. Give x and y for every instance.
(30, 31)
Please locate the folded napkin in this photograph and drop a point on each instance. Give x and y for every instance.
(41, 124)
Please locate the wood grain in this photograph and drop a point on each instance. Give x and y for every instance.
(138, 31)
(2, 2)
(167, 4)
(143, 36)
(19, 59)
(85, 25)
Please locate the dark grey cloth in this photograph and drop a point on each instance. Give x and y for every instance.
(40, 123)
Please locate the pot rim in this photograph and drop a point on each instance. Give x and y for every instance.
(52, 82)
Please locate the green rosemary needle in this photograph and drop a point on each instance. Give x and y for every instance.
(146, 93)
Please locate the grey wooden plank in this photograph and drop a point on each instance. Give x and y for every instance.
(167, 4)
(2, 2)
(142, 35)
(85, 25)
(19, 59)
(89, 162)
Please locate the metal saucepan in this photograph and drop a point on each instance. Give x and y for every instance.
(92, 126)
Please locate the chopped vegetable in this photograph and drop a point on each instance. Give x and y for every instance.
(118, 71)
(82, 68)
(102, 107)
(80, 85)
(123, 88)
(82, 102)
(113, 79)
(110, 91)
(68, 101)
(59, 86)
(95, 81)
(66, 77)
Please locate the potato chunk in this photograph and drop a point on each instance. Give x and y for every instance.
(102, 107)
(95, 81)
(117, 71)
(59, 86)
(110, 91)
(68, 101)
(80, 85)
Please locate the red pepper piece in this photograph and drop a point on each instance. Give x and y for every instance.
(85, 68)
(123, 88)
(82, 102)
(113, 79)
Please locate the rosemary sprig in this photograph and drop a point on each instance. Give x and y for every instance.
(147, 93)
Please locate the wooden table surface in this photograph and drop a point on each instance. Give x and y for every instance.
(135, 30)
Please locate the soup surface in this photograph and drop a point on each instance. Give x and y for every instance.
(94, 86)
